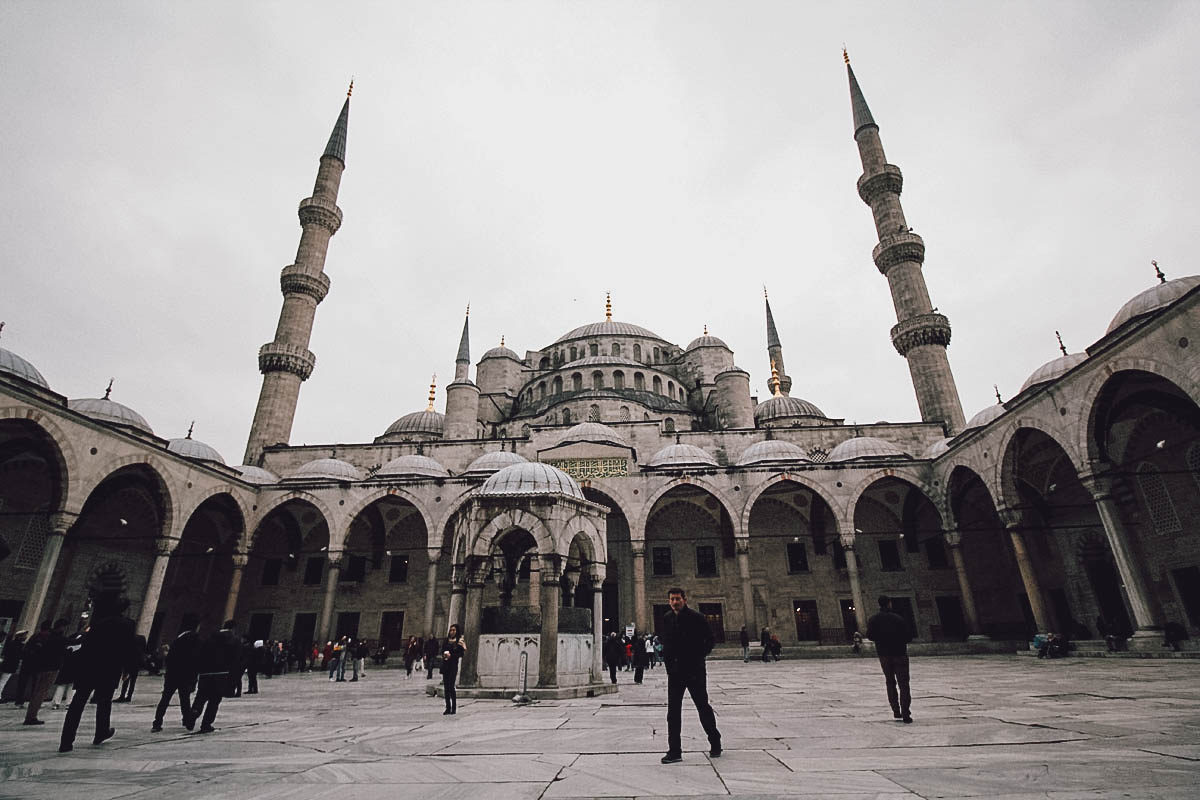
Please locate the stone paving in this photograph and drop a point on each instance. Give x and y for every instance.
(1001, 727)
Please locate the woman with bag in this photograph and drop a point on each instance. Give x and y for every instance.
(452, 653)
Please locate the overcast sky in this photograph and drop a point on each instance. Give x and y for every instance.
(530, 156)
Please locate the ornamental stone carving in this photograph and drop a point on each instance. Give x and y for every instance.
(293, 281)
(887, 180)
(920, 330)
(315, 211)
(278, 357)
(898, 248)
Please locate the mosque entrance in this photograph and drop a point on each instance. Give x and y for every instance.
(808, 621)
(391, 631)
(1106, 586)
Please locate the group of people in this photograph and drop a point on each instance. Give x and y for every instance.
(635, 653)
(772, 648)
(346, 653)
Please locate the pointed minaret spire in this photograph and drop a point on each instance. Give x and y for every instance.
(462, 362)
(432, 392)
(286, 361)
(783, 384)
(1061, 346)
(608, 306)
(921, 334)
(462, 396)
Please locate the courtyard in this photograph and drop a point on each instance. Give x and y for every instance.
(1002, 727)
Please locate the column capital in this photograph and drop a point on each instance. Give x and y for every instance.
(434, 554)
(953, 538)
(335, 557)
(847, 540)
(164, 546)
(638, 549)
(742, 545)
(61, 522)
(1098, 482)
(240, 560)
(1011, 516)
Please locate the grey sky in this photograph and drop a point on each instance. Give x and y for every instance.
(529, 156)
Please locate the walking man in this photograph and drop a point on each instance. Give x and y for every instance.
(891, 635)
(182, 667)
(686, 640)
(613, 653)
(105, 650)
(45, 662)
(220, 665)
(745, 640)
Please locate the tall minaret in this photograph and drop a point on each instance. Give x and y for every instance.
(462, 396)
(921, 334)
(775, 353)
(287, 361)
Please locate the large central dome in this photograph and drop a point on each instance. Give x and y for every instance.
(608, 328)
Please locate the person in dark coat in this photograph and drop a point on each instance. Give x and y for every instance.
(452, 652)
(256, 656)
(891, 635)
(614, 654)
(744, 638)
(10, 664)
(183, 664)
(220, 663)
(106, 647)
(431, 654)
(44, 663)
(764, 639)
(640, 659)
(69, 672)
(129, 673)
(687, 640)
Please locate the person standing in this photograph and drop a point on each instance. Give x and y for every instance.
(182, 664)
(613, 650)
(745, 640)
(640, 659)
(431, 653)
(133, 664)
(104, 653)
(44, 664)
(687, 640)
(891, 635)
(69, 671)
(256, 658)
(220, 664)
(764, 639)
(452, 653)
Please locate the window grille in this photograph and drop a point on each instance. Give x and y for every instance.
(1157, 499)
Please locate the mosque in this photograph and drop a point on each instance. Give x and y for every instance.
(563, 490)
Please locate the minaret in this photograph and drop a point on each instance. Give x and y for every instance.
(921, 334)
(462, 396)
(287, 361)
(775, 352)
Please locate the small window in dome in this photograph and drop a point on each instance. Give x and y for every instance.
(577, 382)
(657, 355)
(594, 413)
(618, 380)
(639, 381)
(669, 425)
(657, 385)
(544, 363)
(671, 389)
(542, 390)
(593, 349)
(637, 352)
(556, 386)
(597, 380)
(574, 353)
(623, 416)
(616, 349)
(566, 416)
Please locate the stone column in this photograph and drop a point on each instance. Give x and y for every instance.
(598, 628)
(548, 644)
(1014, 522)
(431, 590)
(743, 559)
(954, 542)
(535, 583)
(641, 618)
(235, 583)
(1100, 487)
(469, 674)
(158, 572)
(458, 594)
(60, 523)
(860, 608)
(331, 582)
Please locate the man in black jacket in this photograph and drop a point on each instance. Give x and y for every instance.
(220, 664)
(105, 649)
(686, 641)
(45, 656)
(890, 633)
(183, 663)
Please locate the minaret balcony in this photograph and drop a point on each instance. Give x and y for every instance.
(921, 330)
(280, 357)
(897, 248)
(886, 180)
(294, 280)
(315, 211)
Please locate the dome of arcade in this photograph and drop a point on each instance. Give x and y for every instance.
(595, 433)
(681, 455)
(705, 341)
(105, 410)
(781, 407)
(772, 451)
(984, 417)
(13, 364)
(936, 449)
(1053, 370)
(1153, 299)
(501, 352)
(415, 466)
(326, 469)
(419, 423)
(191, 448)
(488, 463)
(256, 474)
(531, 478)
(865, 447)
(608, 328)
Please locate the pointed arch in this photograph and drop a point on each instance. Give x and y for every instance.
(643, 514)
(71, 494)
(507, 520)
(798, 478)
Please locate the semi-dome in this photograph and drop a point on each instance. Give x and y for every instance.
(594, 432)
(105, 410)
(1153, 299)
(13, 364)
(771, 451)
(608, 328)
(501, 352)
(191, 448)
(706, 341)
(865, 447)
(326, 469)
(429, 423)
(412, 466)
(256, 474)
(936, 449)
(984, 417)
(488, 463)
(531, 478)
(681, 455)
(781, 407)
(1053, 370)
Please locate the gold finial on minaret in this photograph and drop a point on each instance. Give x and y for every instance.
(775, 379)
(608, 306)
(191, 428)
(997, 388)
(1161, 278)
(845, 56)
(432, 392)
(1061, 346)
(108, 391)
(350, 91)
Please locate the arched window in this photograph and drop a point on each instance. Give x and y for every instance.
(616, 349)
(561, 356)
(544, 363)
(671, 389)
(542, 390)
(593, 349)
(618, 380)
(566, 416)
(657, 385)
(597, 380)
(577, 382)
(504, 433)
(556, 385)
(1157, 499)
(594, 414)
(637, 352)
(623, 416)
(639, 381)
(669, 425)
(574, 353)
(657, 353)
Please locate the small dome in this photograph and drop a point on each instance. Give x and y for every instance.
(1153, 299)
(429, 423)
(608, 328)
(13, 364)
(256, 474)
(865, 447)
(531, 478)
(488, 463)
(706, 341)
(681, 455)
(593, 432)
(936, 449)
(326, 469)
(190, 448)
(1053, 370)
(786, 408)
(984, 417)
(771, 451)
(412, 466)
(501, 352)
(106, 410)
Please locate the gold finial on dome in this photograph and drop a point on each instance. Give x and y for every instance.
(608, 306)
(108, 391)
(350, 91)
(706, 329)
(1161, 278)
(775, 379)
(1061, 346)
(502, 340)
(432, 392)
(191, 428)
(997, 388)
